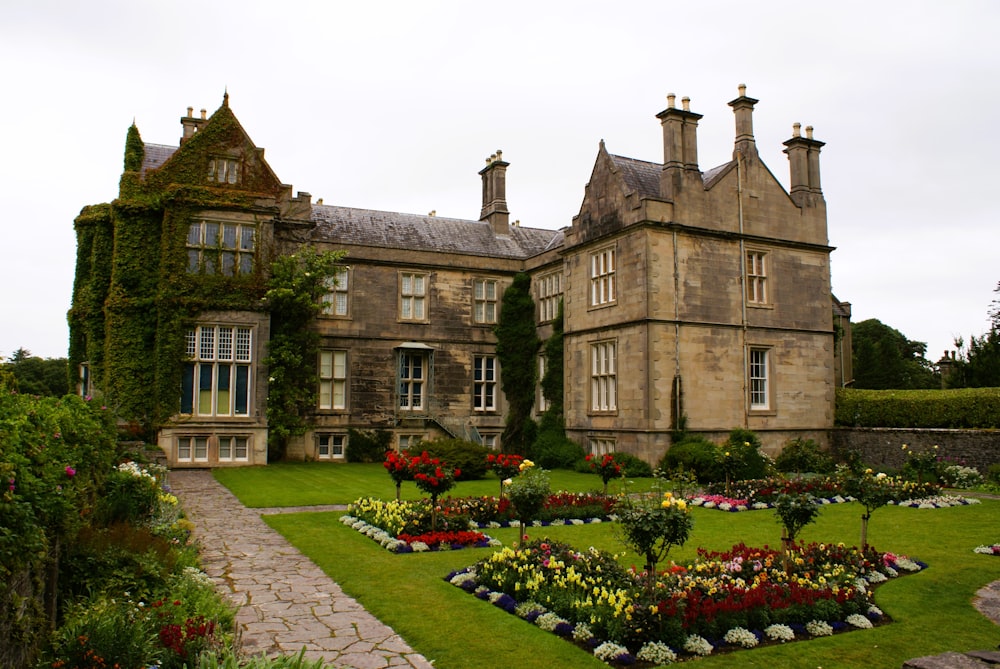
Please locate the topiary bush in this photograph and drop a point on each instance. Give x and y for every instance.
(803, 455)
(695, 454)
(468, 457)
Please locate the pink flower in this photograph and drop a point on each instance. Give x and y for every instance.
(70, 472)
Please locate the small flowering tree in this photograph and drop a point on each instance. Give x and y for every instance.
(527, 493)
(651, 525)
(434, 478)
(399, 470)
(794, 513)
(505, 466)
(606, 468)
(872, 491)
(924, 465)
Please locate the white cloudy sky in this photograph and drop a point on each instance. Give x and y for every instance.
(395, 106)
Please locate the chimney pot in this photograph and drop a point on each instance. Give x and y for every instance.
(796, 129)
(190, 111)
(203, 114)
(743, 90)
(686, 103)
(671, 100)
(809, 132)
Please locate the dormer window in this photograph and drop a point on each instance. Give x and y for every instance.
(224, 170)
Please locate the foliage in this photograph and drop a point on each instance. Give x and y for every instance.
(605, 467)
(959, 476)
(36, 376)
(130, 495)
(803, 455)
(794, 512)
(466, 456)
(745, 458)
(528, 491)
(367, 445)
(553, 381)
(693, 453)
(432, 475)
(652, 524)
(297, 283)
(966, 408)
(517, 346)
(553, 449)
(978, 365)
(922, 466)
(504, 466)
(883, 359)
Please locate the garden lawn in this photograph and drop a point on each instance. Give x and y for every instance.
(932, 609)
(312, 483)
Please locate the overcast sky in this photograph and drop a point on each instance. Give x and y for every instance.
(396, 105)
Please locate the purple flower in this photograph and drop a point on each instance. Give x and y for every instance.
(11, 485)
(70, 472)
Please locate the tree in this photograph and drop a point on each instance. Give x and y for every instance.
(37, 376)
(884, 359)
(517, 345)
(978, 366)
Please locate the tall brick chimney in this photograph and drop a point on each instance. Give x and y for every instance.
(680, 147)
(803, 159)
(495, 194)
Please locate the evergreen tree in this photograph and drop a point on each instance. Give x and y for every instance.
(517, 345)
(884, 359)
(978, 366)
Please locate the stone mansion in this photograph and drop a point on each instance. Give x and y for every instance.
(691, 297)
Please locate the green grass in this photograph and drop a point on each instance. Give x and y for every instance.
(932, 609)
(310, 484)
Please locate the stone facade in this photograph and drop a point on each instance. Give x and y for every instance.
(691, 299)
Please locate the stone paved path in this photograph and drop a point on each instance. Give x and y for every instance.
(286, 602)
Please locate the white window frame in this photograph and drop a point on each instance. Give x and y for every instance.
(602, 446)
(413, 296)
(332, 395)
(485, 294)
(549, 291)
(756, 276)
(602, 277)
(331, 446)
(484, 383)
(336, 301)
(192, 448)
(221, 247)
(219, 372)
(604, 376)
(234, 448)
(224, 170)
(759, 378)
(411, 380)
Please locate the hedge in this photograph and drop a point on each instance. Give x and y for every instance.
(963, 408)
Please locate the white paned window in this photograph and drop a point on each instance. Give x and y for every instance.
(756, 277)
(549, 290)
(192, 449)
(333, 379)
(218, 247)
(331, 446)
(484, 385)
(233, 449)
(603, 376)
(412, 296)
(602, 277)
(217, 377)
(485, 300)
(759, 379)
(412, 380)
(601, 446)
(334, 302)
(224, 170)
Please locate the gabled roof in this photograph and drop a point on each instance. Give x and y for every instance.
(643, 177)
(386, 229)
(155, 155)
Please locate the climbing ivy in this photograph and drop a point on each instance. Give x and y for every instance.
(517, 345)
(297, 284)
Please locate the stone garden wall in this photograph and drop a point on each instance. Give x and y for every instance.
(884, 446)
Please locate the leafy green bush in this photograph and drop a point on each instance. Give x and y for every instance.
(633, 467)
(554, 450)
(803, 455)
(745, 456)
(459, 454)
(696, 454)
(970, 408)
(106, 631)
(367, 445)
(127, 498)
(993, 473)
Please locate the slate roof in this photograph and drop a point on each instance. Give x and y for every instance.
(643, 176)
(155, 155)
(386, 229)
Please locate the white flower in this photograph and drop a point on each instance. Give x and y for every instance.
(859, 621)
(549, 621)
(819, 628)
(740, 636)
(608, 651)
(697, 645)
(656, 653)
(780, 633)
(582, 632)
(462, 578)
(875, 611)
(419, 547)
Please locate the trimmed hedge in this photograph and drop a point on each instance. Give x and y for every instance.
(961, 408)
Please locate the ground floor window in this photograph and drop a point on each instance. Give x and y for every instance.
(331, 446)
(491, 440)
(602, 446)
(233, 449)
(759, 380)
(409, 440)
(192, 449)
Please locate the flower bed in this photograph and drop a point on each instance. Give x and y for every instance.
(937, 502)
(418, 543)
(988, 550)
(723, 601)
(723, 503)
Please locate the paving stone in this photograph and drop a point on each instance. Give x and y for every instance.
(287, 604)
(945, 661)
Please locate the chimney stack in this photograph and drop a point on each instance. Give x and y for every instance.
(803, 159)
(495, 194)
(743, 109)
(191, 124)
(680, 147)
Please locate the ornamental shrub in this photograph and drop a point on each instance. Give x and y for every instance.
(803, 455)
(747, 460)
(367, 445)
(554, 450)
(468, 457)
(695, 454)
(633, 467)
